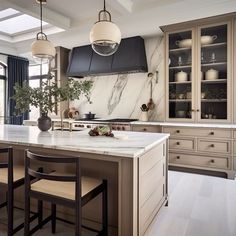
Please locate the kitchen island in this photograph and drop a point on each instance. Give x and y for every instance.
(134, 163)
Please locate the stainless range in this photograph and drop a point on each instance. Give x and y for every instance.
(115, 124)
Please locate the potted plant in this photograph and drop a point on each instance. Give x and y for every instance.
(48, 96)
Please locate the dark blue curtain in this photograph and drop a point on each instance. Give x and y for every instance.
(18, 72)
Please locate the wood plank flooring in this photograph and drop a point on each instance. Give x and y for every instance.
(199, 206)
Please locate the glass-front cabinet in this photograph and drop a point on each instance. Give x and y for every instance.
(198, 69)
(213, 77)
(180, 71)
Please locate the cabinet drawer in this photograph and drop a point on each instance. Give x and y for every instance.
(234, 134)
(214, 133)
(204, 161)
(214, 146)
(234, 147)
(187, 144)
(146, 128)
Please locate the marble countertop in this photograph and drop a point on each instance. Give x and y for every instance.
(124, 144)
(197, 125)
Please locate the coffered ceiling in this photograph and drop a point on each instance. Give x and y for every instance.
(68, 22)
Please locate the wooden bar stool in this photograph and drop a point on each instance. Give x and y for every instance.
(70, 190)
(13, 177)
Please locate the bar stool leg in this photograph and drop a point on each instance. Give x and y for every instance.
(10, 202)
(105, 209)
(40, 213)
(53, 212)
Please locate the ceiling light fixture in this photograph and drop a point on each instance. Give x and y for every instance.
(105, 36)
(41, 48)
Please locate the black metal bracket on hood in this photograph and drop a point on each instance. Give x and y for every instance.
(129, 58)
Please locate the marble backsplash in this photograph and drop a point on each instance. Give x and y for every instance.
(122, 95)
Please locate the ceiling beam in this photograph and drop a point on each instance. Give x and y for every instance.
(122, 6)
(52, 17)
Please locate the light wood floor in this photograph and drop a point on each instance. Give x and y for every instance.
(198, 206)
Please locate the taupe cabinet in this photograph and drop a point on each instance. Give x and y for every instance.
(199, 71)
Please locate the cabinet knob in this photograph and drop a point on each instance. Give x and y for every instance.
(198, 110)
(178, 143)
(192, 110)
(144, 129)
(178, 157)
(212, 133)
(178, 131)
(212, 145)
(212, 161)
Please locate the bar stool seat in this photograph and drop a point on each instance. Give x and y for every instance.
(65, 189)
(18, 174)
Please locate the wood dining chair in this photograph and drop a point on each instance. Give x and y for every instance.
(70, 190)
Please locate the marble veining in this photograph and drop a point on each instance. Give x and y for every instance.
(124, 144)
(122, 95)
(117, 92)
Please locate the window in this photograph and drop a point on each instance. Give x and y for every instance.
(35, 80)
(2, 92)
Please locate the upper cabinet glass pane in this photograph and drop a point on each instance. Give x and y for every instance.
(214, 74)
(180, 75)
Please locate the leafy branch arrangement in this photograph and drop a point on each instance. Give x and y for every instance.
(49, 94)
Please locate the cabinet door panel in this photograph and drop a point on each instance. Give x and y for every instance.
(213, 74)
(180, 76)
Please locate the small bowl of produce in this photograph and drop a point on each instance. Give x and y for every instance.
(101, 131)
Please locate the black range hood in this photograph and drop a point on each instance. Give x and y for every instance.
(129, 58)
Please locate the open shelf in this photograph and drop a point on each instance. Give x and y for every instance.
(180, 100)
(214, 45)
(184, 82)
(179, 49)
(214, 64)
(216, 81)
(180, 67)
(213, 100)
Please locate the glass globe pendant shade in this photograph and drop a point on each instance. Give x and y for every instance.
(105, 37)
(42, 49)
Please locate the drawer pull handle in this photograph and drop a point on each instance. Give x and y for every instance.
(212, 161)
(144, 129)
(212, 133)
(178, 157)
(212, 145)
(178, 143)
(178, 131)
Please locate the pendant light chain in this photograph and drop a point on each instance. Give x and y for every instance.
(104, 8)
(41, 16)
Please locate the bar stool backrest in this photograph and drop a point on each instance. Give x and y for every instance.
(8, 164)
(29, 173)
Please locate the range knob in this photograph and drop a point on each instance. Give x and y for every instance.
(123, 128)
(88, 126)
(113, 127)
(118, 128)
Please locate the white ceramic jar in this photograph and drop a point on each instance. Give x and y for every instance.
(181, 76)
(212, 74)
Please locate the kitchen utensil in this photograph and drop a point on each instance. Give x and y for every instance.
(144, 107)
(181, 96)
(150, 104)
(89, 116)
(181, 76)
(212, 74)
(207, 39)
(185, 43)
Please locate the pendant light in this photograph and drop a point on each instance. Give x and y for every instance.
(105, 36)
(42, 49)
